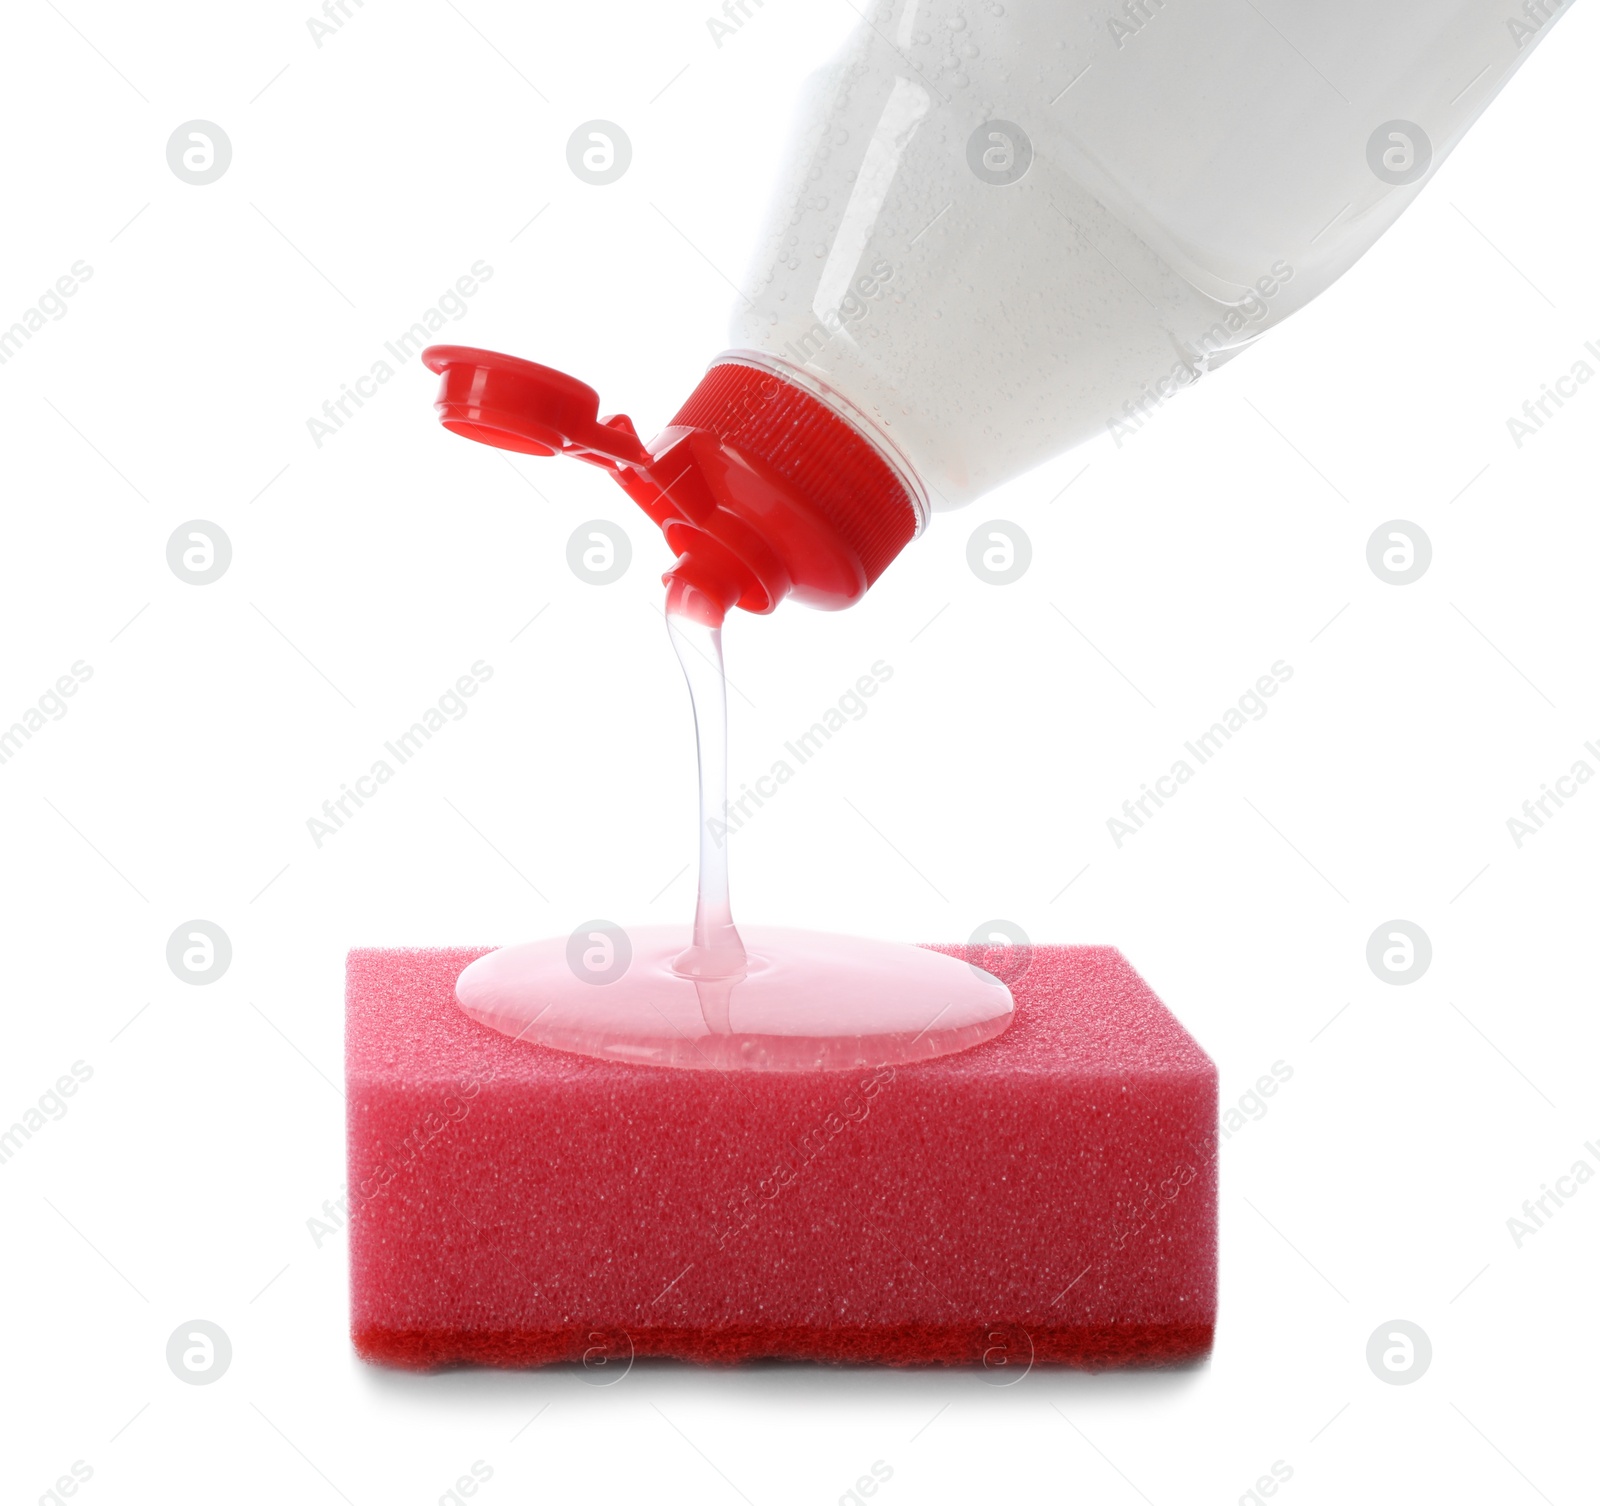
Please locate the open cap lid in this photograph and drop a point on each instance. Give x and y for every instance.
(761, 489)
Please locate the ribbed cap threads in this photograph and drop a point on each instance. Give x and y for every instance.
(843, 479)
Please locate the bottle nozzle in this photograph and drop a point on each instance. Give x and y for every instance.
(761, 490)
(704, 587)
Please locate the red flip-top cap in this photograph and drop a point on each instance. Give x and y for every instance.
(762, 489)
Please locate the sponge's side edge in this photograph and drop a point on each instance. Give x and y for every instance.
(1102, 1347)
(517, 1344)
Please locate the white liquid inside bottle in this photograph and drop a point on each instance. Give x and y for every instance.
(1006, 228)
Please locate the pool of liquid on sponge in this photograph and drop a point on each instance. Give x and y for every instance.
(763, 998)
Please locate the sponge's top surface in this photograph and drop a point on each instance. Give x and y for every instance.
(1102, 1020)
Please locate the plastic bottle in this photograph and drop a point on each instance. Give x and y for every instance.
(1007, 226)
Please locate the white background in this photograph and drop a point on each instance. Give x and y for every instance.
(369, 573)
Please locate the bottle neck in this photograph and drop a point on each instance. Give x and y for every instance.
(801, 498)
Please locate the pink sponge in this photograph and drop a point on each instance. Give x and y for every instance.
(1048, 1196)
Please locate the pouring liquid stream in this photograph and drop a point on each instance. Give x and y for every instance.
(716, 958)
(765, 999)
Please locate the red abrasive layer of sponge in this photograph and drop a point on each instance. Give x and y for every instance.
(1047, 1197)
